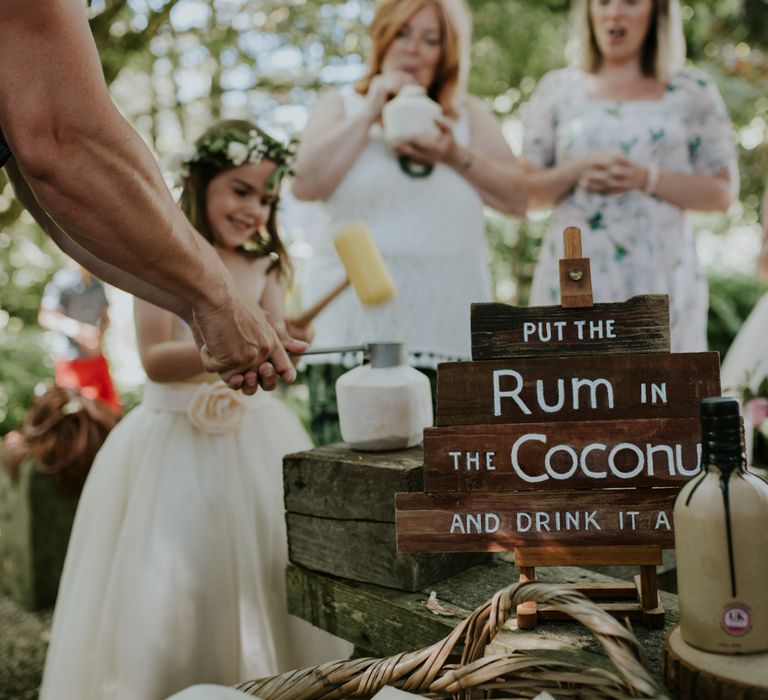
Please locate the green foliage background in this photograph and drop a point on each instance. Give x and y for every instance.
(175, 65)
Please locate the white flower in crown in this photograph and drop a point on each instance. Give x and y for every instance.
(215, 409)
(256, 147)
(255, 140)
(237, 152)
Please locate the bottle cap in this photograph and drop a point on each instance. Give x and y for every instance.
(387, 354)
(722, 433)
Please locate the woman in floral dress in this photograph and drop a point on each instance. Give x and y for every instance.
(621, 146)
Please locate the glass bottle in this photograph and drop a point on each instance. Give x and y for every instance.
(721, 538)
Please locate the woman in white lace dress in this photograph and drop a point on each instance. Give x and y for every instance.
(429, 229)
(621, 146)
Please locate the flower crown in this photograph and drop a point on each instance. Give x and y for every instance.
(238, 148)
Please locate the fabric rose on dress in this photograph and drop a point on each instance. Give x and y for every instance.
(215, 409)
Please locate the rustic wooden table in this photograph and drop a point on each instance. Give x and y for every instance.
(345, 496)
(382, 621)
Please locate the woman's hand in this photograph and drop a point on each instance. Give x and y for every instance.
(305, 332)
(383, 88)
(608, 172)
(440, 150)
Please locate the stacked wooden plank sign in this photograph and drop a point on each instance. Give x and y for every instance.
(565, 440)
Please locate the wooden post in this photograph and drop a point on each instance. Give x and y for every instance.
(575, 273)
(526, 612)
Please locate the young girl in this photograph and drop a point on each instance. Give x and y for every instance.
(175, 568)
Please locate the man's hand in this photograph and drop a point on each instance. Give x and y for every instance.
(241, 345)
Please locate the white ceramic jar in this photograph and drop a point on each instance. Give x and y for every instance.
(410, 114)
(384, 405)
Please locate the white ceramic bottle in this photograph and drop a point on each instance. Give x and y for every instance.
(410, 114)
(384, 405)
(721, 542)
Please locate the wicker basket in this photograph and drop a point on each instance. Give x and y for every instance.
(434, 670)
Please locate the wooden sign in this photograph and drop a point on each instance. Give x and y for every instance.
(640, 324)
(589, 387)
(566, 439)
(574, 455)
(499, 522)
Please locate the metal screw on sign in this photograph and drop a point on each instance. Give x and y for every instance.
(575, 278)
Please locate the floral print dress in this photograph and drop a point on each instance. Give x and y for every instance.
(637, 243)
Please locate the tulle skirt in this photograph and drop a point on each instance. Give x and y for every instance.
(176, 563)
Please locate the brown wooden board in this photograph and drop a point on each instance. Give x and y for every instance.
(640, 324)
(584, 387)
(493, 522)
(334, 481)
(384, 621)
(577, 454)
(629, 555)
(363, 550)
(341, 516)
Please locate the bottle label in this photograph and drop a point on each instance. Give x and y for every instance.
(736, 620)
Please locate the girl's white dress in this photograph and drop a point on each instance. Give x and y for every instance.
(637, 244)
(175, 569)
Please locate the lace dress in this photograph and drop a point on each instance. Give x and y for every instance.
(638, 244)
(430, 232)
(175, 571)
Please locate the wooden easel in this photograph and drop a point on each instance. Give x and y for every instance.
(645, 605)
(639, 601)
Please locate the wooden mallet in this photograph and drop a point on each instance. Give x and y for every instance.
(365, 268)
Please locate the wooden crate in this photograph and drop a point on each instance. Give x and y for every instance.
(340, 515)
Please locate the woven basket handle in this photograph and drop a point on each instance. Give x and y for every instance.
(619, 643)
(428, 670)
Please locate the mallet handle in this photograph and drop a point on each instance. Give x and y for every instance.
(309, 315)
